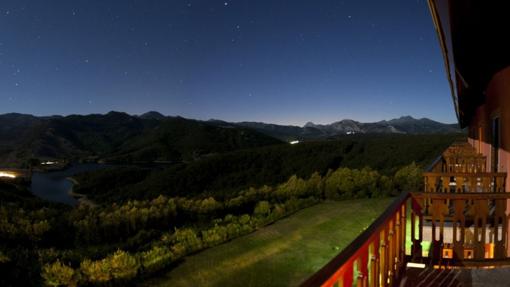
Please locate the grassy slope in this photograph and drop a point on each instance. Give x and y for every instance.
(282, 254)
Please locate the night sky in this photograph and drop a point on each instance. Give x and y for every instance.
(260, 60)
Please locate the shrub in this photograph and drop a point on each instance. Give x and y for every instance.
(58, 274)
(156, 258)
(188, 238)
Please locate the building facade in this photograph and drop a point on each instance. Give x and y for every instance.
(473, 36)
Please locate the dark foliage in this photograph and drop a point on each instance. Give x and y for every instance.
(225, 174)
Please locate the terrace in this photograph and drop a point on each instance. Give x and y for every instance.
(453, 233)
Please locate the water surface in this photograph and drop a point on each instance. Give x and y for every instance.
(55, 185)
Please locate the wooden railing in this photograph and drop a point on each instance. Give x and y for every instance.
(463, 158)
(460, 219)
(374, 258)
(464, 229)
(459, 182)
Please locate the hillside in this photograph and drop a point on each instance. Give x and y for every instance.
(118, 137)
(224, 175)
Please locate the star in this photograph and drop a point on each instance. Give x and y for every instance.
(86, 61)
(226, 3)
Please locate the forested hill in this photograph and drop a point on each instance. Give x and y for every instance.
(227, 174)
(119, 137)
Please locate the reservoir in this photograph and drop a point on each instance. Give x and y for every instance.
(55, 185)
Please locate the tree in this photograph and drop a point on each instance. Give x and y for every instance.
(123, 265)
(58, 274)
(409, 178)
(188, 238)
(262, 209)
(156, 258)
(96, 272)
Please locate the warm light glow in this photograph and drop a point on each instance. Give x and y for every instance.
(415, 265)
(7, 174)
(294, 142)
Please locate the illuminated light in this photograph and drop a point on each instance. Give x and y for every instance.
(7, 174)
(294, 142)
(415, 265)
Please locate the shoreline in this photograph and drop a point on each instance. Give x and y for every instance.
(82, 198)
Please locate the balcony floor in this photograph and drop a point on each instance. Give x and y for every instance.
(456, 277)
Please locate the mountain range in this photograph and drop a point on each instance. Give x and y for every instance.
(120, 137)
(311, 131)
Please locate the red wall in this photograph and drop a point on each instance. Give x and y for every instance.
(497, 104)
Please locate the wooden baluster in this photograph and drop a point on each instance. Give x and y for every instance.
(430, 183)
(383, 261)
(472, 183)
(416, 242)
(373, 277)
(376, 279)
(348, 275)
(363, 269)
(403, 221)
(459, 221)
(459, 188)
(396, 247)
(481, 212)
(340, 281)
(500, 184)
(500, 235)
(486, 183)
(439, 209)
(445, 184)
(391, 255)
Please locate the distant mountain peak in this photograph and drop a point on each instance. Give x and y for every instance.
(402, 125)
(152, 115)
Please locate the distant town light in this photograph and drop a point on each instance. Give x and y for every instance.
(294, 142)
(7, 174)
(49, 162)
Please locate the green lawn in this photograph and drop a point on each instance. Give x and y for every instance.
(282, 254)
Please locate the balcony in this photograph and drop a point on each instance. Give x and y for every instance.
(456, 229)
